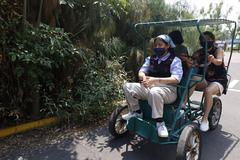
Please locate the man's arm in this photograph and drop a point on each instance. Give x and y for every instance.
(176, 71)
(164, 80)
(144, 69)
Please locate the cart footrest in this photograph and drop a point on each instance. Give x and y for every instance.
(145, 128)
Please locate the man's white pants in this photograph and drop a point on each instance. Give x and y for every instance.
(157, 96)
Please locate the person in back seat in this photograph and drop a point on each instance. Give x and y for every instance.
(215, 80)
(181, 50)
(157, 77)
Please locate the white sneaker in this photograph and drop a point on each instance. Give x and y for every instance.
(204, 126)
(130, 115)
(162, 130)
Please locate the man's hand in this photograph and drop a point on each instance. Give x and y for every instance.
(149, 81)
(141, 77)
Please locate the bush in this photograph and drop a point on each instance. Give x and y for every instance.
(43, 70)
(41, 59)
(52, 75)
(95, 89)
(113, 48)
(100, 87)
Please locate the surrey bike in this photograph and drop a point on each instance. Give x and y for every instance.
(181, 123)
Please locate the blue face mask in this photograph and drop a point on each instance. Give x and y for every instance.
(159, 51)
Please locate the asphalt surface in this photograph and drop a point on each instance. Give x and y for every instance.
(220, 144)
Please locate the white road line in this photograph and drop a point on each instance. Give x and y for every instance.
(233, 83)
(234, 90)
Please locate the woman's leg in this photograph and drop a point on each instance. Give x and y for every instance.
(211, 90)
(158, 96)
(133, 92)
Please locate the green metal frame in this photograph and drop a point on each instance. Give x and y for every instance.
(175, 119)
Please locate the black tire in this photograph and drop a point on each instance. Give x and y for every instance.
(189, 144)
(117, 125)
(215, 113)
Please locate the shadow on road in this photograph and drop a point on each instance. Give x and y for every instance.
(98, 144)
(130, 147)
(218, 144)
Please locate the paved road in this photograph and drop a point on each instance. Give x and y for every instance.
(220, 144)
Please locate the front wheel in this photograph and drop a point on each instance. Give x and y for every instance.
(215, 113)
(117, 125)
(189, 144)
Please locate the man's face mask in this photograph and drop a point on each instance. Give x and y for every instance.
(159, 51)
(209, 44)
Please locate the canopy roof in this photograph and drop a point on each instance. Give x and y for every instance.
(194, 23)
(188, 23)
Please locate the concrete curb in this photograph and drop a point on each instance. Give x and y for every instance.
(27, 126)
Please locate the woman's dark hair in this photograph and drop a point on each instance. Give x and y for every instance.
(207, 33)
(176, 37)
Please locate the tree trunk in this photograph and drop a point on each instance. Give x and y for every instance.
(24, 12)
(40, 13)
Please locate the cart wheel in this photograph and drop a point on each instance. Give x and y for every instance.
(189, 144)
(117, 125)
(215, 113)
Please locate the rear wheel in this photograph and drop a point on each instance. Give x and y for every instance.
(215, 113)
(189, 144)
(117, 125)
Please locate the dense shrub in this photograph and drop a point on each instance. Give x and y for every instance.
(96, 85)
(41, 59)
(112, 48)
(99, 89)
(42, 70)
(10, 23)
(48, 71)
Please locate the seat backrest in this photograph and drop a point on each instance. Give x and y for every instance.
(184, 84)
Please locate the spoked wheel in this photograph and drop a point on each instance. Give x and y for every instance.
(215, 113)
(117, 125)
(189, 144)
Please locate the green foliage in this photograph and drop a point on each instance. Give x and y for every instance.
(43, 62)
(10, 23)
(112, 48)
(191, 39)
(181, 10)
(71, 83)
(38, 50)
(100, 87)
(101, 20)
(95, 88)
(41, 59)
(215, 11)
(42, 65)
